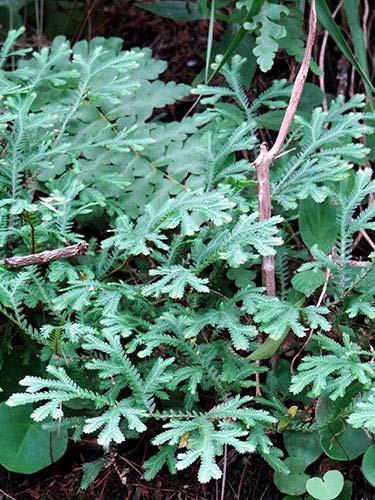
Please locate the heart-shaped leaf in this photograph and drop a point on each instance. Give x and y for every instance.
(326, 488)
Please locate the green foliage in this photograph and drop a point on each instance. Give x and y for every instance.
(303, 445)
(91, 471)
(155, 329)
(294, 481)
(25, 446)
(333, 373)
(270, 32)
(368, 465)
(255, 29)
(317, 224)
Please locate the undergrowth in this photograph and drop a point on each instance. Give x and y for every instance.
(158, 328)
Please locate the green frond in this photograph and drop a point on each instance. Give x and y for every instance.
(333, 373)
(363, 415)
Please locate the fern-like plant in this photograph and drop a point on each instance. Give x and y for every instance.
(156, 328)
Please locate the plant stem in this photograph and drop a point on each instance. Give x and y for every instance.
(46, 256)
(266, 157)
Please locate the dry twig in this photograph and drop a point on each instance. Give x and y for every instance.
(318, 304)
(322, 57)
(47, 256)
(266, 157)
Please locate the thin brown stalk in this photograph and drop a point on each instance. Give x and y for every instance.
(322, 57)
(366, 11)
(238, 497)
(47, 256)
(266, 157)
(362, 233)
(367, 238)
(359, 263)
(297, 87)
(6, 495)
(318, 304)
(222, 495)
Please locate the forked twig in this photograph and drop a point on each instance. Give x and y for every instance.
(266, 157)
(47, 256)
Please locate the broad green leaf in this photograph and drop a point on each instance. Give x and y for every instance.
(14, 368)
(307, 282)
(25, 447)
(293, 483)
(178, 10)
(303, 445)
(64, 17)
(340, 441)
(278, 379)
(368, 464)
(267, 349)
(352, 11)
(328, 410)
(317, 224)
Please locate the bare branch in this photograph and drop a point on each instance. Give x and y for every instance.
(264, 161)
(297, 86)
(47, 256)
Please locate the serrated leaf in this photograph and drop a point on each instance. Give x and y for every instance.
(269, 33)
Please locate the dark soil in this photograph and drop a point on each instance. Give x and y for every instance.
(122, 479)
